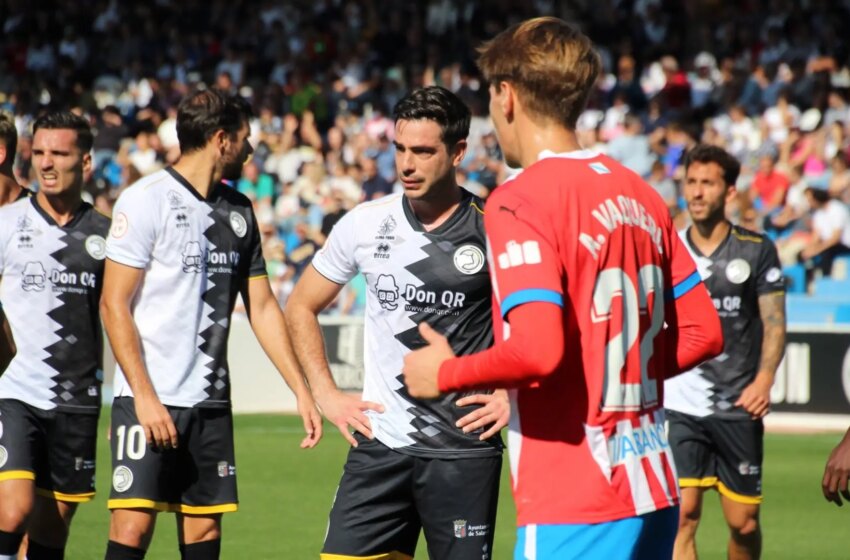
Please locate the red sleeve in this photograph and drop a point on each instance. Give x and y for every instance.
(693, 326)
(524, 262)
(521, 359)
(527, 278)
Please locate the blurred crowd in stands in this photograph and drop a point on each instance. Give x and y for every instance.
(769, 80)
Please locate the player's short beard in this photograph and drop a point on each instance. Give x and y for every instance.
(232, 170)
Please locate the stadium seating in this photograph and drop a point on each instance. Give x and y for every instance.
(818, 309)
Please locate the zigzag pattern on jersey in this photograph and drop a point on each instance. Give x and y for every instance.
(217, 297)
(75, 332)
(433, 270)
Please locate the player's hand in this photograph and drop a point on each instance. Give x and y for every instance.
(495, 412)
(755, 398)
(154, 418)
(312, 420)
(837, 471)
(421, 367)
(344, 410)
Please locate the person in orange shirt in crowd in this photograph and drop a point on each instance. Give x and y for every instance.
(769, 185)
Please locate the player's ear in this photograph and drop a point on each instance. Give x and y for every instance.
(3, 153)
(458, 152)
(87, 162)
(731, 193)
(508, 100)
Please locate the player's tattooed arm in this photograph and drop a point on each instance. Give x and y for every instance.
(772, 311)
(755, 398)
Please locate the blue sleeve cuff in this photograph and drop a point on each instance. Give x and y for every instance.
(684, 286)
(531, 295)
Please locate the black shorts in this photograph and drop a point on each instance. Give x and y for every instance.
(199, 477)
(55, 449)
(718, 453)
(385, 498)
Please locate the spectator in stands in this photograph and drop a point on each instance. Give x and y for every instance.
(769, 186)
(839, 182)
(374, 185)
(831, 231)
(631, 148)
(257, 186)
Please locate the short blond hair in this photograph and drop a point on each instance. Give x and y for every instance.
(552, 65)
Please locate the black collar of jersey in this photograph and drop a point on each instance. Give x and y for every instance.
(82, 210)
(717, 250)
(466, 200)
(183, 181)
(25, 192)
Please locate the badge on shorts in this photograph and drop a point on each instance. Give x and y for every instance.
(222, 469)
(4, 456)
(122, 478)
(737, 271)
(460, 528)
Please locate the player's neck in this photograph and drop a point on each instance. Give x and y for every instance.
(10, 190)
(434, 210)
(534, 137)
(61, 207)
(200, 170)
(708, 235)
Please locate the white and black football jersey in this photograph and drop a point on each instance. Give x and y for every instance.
(744, 267)
(412, 276)
(196, 255)
(50, 291)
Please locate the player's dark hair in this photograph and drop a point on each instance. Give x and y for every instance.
(203, 113)
(435, 103)
(705, 153)
(9, 136)
(66, 120)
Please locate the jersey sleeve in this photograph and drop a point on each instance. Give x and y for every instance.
(769, 278)
(132, 235)
(256, 262)
(336, 260)
(524, 263)
(683, 271)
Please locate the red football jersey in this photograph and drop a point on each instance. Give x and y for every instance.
(587, 444)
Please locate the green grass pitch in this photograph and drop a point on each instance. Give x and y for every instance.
(285, 494)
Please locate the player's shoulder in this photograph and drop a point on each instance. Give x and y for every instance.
(746, 236)
(15, 208)
(99, 220)
(149, 188)
(234, 198)
(376, 210)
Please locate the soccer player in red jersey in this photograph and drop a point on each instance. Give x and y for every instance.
(596, 302)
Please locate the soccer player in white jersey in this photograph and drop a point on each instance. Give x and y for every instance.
(51, 267)
(414, 464)
(10, 191)
(182, 247)
(715, 410)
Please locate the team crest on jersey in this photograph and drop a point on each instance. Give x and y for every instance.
(773, 275)
(737, 271)
(460, 528)
(387, 291)
(119, 225)
(4, 456)
(34, 276)
(387, 227)
(174, 199)
(122, 478)
(238, 224)
(96, 247)
(192, 258)
(24, 223)
(469, 259)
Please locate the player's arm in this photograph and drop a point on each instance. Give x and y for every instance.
(120, 283)
(770, 287)
(7, 342)
(531, 301)
(311, 295)
(755, 398)
(270, 329)
(693, 329)
(837, 472)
